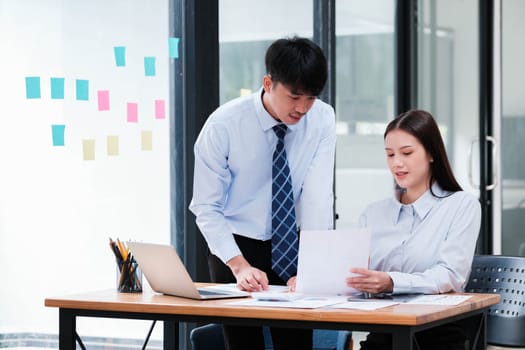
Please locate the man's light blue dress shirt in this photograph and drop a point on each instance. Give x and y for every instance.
(233, 172)
(427, 246)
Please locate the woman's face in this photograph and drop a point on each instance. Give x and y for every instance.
(408, 162)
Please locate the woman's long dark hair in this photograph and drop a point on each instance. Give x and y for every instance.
(422, 126)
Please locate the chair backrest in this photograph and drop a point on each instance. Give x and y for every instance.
(504, 275)
(207, 337)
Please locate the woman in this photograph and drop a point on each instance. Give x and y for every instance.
(423, 239)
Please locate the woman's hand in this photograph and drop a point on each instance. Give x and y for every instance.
(370, 281)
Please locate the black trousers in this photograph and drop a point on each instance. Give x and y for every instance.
(259, 255)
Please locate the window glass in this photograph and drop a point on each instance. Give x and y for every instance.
(512, 129)
(448, 83)
(364, 104)
(246, 31)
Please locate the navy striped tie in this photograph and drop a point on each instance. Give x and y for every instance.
(285, 243)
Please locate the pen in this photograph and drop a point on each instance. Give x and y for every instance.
(123, 249)
(116, 251)
(359, 300)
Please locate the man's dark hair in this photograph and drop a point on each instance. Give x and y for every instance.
(297, 63)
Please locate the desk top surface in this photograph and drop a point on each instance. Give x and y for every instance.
(151, 302)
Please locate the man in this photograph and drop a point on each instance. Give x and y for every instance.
(246, 155)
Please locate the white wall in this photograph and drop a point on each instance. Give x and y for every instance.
(57, 210)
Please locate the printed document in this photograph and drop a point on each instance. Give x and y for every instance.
(325, 259)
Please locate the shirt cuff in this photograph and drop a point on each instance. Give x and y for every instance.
(402, 284)
(226, 250)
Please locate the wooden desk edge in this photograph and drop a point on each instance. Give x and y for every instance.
(162, 304)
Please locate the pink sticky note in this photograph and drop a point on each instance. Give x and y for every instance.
(133, 112)
(103, 100)
(160, 109)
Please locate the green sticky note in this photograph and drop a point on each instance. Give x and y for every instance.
(33, 87)
(173, 44)
(120, 55)
(149, 66)
(82, 89)
(57, 131)
(57, 88)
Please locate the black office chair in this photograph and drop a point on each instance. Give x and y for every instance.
(207, 337)
(504, 275)
(210, 337)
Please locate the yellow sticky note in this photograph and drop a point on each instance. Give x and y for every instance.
(246, 92)
(88, 147)
(147, 140)
(112, 141)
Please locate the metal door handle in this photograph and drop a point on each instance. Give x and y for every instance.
(494, 183)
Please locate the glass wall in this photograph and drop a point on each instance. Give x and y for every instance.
(84, 146)
(364, 104)
(513, 128)
(448, 82)
(246, 31)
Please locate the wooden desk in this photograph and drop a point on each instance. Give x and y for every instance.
(402, 320)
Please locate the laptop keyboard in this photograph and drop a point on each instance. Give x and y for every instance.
(209, 292)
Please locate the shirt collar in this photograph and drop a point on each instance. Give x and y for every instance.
(266, 121)
(423, 204)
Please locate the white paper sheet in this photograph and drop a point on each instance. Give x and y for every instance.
(438, 299)
(364, 305)
(325, 258)
(307, 302)
(232, 287)
(276, 296)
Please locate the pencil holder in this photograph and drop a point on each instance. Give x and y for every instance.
(129, 276)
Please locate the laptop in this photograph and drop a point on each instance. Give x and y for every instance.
(167, 274)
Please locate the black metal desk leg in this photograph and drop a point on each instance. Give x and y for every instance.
(402, 339)
(66, 330)
(482, 339)
(171, 335)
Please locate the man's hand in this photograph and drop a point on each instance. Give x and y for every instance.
(292, 282)
(248, 278)
(370, 281)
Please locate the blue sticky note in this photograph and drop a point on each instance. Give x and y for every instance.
(120, 55)
(82, 89)
(57, 88)
(173, 44)
(149, 66)
(57, 131)
(33, 87)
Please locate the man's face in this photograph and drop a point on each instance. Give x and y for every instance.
(284, 104)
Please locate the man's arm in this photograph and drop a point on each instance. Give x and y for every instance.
(212, 179)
